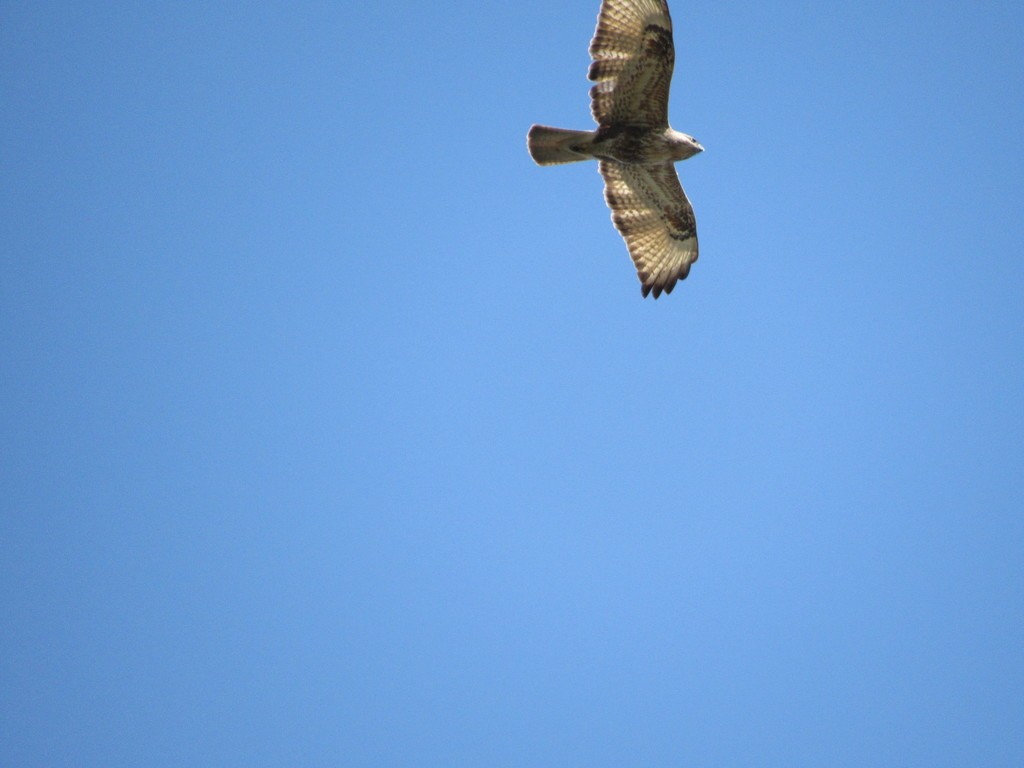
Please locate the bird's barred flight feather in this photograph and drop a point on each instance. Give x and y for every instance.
(633, 60)
(651, 212)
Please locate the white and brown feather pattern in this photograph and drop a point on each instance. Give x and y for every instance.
(633, 57)
(654, 217)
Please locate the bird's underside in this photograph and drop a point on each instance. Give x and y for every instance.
(633, 56)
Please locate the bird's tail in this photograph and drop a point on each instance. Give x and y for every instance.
(551, 146)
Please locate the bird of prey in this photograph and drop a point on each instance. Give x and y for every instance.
(633, 56)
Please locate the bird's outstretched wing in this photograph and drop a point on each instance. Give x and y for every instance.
(633, 58)
(651, 212)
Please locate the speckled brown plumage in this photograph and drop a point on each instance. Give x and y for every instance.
(633, 57)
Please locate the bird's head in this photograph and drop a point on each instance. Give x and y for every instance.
(685, 146)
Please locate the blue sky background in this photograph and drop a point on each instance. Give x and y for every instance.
(335, 432)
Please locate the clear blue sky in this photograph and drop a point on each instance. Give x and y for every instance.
(336, 433)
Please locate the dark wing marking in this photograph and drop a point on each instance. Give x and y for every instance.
(633, 60)
(651, 212)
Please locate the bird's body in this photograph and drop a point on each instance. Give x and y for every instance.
(633, 57)
(631, 144)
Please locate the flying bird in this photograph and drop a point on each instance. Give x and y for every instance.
(633, 56)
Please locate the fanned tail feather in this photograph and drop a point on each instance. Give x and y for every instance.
(551, 146)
